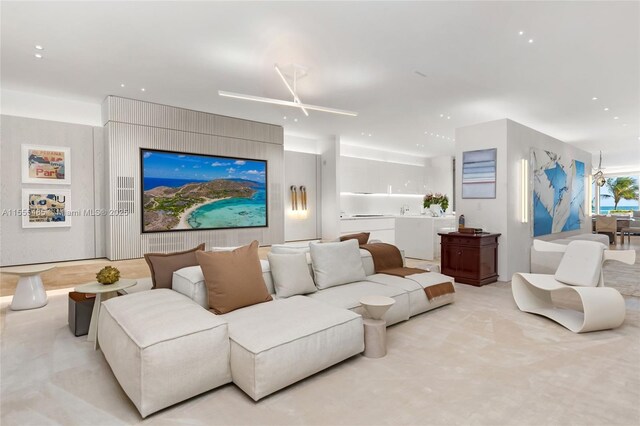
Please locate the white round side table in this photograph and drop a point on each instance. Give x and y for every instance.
(375, 328)
(30, 292)
(103, 292)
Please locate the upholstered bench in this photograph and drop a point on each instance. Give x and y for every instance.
(163, 348)
(415, 287)
(275, 344)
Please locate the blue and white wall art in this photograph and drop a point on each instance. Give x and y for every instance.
(558, 193)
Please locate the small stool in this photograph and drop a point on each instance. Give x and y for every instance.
(375, 328)
(30, 292)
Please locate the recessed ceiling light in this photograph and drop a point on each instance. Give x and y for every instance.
(431, 134)
(606, 108)
(521, 33)
(39, 47)
(615, 118)
(37, 55)
(143, 89)
(530, 40)
(295, 119)
(121, 84)
(284, 118)
(362, 133)
(594, 99)
(369, 134)
(448, 117)
(441, 115)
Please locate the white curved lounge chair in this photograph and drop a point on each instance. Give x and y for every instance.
(580, 271)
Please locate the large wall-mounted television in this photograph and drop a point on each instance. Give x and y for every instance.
(195, 192)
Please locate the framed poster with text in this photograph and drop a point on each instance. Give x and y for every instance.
(45, 208)
(46, 164)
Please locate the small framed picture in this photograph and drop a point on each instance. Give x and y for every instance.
(479, 173)
(45, 208)
(46, 164)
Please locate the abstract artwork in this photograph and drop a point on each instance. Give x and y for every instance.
(45, 164)
(558, 193)
(479, 173)
(183, 191)
(45, 208)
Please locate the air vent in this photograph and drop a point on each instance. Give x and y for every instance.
(125, 194)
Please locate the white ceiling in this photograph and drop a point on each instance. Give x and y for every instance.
(361, 56)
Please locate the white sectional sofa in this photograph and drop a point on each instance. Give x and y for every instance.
(148, 336)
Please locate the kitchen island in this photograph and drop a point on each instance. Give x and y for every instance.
(418, 235)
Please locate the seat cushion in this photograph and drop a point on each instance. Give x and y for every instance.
(277, 343)
(581, 264)
(163, 348)
(348, 297)
(418, 301)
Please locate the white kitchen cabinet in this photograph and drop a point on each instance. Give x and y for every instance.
(375, 177)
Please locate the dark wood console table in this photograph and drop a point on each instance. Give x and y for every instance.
(470, 258)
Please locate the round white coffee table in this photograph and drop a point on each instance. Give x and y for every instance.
(103, 292)
(375, 328)
(30, 292)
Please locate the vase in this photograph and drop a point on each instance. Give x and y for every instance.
(436, 210)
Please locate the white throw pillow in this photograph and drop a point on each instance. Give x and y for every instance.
(336, 263)
(290, 274)
(581, 264)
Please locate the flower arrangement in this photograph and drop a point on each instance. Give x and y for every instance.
(436, 198)
(108, 275)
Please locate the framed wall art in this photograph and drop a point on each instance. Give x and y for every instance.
(558, 193)
(45, 208)
(479, 173)
(46, 164)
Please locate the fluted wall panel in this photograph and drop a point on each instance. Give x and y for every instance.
(132, 125)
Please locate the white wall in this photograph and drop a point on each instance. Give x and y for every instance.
(301, 169)
(330, 187)
(519, 236)
(301, 144)
(502, 214)
(440, 173)
(84, 239)
(23, 104)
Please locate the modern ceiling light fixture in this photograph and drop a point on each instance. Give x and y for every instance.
(298, 73)
(598, 176)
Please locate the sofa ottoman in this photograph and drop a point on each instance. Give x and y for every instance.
(418, 301)
(163, 348)
(275, 344)
(347, 296)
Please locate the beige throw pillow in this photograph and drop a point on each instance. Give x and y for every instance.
(233, 278)
(163, 265)
(291, 274)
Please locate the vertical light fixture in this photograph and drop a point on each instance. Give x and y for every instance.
(589, 194)
(524, 190)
